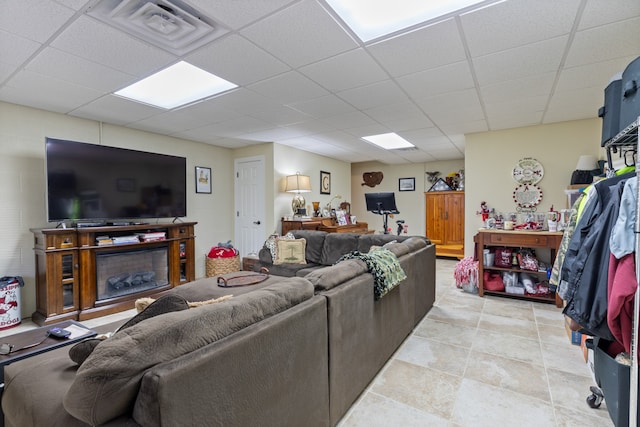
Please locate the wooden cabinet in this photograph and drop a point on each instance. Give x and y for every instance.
(490, 239)
(323, 224)
(445, 222)
(67, 284)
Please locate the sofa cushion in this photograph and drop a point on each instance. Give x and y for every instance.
(165, 304)
(315, 241)
(107, 383)
(329, 277)
(336, 245)
(290, 251)
(367, 240)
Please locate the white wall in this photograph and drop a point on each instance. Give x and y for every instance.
(22, 174)
(410, 203)
(288, 161)
(491, 156)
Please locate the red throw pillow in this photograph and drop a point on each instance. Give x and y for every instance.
(502, 257)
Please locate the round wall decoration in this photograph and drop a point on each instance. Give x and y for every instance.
(528, 171)
(527, 195)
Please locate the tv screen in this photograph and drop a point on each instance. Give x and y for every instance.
(96, 182)
(381, 203)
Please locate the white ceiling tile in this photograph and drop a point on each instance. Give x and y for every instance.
(300, 34)
(530, 86)
(311, 127)
(281, 116)
(190, 117)
(270, 135)
(423, 49)
(14, 50)
(439, 80)
(112, 48)
(232, 128)
(468, 126)
(593, 74)
(506, 65)
(574, 104)
(242, 101)
(374, 95)
(116, 110)
(598, 13)
(447, 103)
(6, 70)
(536, 58)
(288, 88)
(611, 41)
(70, 68)
(514, 119)
(515, 23)
(331, 74)
(325, 106)
(60, 96)
(237, 60)
(18, 17)
(238, 13)
(346, 120)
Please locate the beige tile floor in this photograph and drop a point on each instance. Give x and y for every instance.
(472, 362)
(481, 362)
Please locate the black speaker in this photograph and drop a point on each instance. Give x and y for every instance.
(610, 112)
(630, 105)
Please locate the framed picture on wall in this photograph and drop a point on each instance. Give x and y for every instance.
(203, 180)
(407, 184)
(325, 182)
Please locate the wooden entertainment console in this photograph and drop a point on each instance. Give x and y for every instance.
(66, 271)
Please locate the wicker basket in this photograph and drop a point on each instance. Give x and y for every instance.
(217, 266)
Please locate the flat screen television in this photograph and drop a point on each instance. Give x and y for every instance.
(381, 203)
(89, 182)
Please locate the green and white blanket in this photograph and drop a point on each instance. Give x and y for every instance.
(384, 266)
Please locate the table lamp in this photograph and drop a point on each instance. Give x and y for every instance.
(298, 184)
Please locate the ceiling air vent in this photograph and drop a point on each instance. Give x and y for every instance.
(168, 24)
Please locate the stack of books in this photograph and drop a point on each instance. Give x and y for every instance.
(122, 240)
(152, 237)
(104, 240)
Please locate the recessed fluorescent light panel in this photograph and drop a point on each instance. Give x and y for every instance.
(371, 19)
(177, 85)
(388, 141)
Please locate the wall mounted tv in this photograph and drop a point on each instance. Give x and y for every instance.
(89, 182)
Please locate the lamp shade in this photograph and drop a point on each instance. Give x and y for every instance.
(298, 184)
(587, 163)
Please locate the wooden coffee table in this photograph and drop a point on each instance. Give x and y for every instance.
(33, 336)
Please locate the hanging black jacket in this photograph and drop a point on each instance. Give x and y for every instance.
(586, 263)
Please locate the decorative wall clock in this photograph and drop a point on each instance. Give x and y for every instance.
(528, 171)
(527, 196)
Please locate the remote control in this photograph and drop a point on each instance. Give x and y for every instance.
(59, 333)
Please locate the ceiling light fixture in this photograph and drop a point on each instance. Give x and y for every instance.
(388, 141)
(372, 19)
(175, 86)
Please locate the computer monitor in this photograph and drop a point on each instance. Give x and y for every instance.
(381, 203)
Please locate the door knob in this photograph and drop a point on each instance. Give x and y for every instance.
(256, 222)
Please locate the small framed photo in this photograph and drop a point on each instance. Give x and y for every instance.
(325, 182)
(341, 217)
(203, 180)
(407, 184)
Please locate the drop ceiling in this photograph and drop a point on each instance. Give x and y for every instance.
(307, 82)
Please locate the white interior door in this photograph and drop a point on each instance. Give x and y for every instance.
(249, 204)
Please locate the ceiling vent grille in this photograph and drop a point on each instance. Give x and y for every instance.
(168, 24)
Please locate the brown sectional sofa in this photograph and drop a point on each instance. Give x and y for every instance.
(290, 351)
